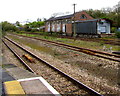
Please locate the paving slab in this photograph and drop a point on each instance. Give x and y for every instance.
(38, 86)
(5, 77)
(1, 88)
(19, 73)
(30, 87)
(35, 87)
(0, 80)
(0, 73)
(13, 87)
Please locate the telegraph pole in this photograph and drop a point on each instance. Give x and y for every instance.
(74, 32)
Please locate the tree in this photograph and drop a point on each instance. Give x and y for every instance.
(38, 19)
(26, 27)
(17, 23)
(36, 24)
(107, 10)
(118, 14)
(56, 14)
(109, 13)
(6, 26)
(96, 13)
(0, 30)
(44, 19)
(33, 25)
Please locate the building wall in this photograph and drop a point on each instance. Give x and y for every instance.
(46, 28)
(78, 16)
(65, 25)
(55, 27)
(58, 27)
(88, 28)
(69, 29)
(63, 28)
(103, 27)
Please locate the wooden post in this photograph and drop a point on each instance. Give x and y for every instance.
(74, 30)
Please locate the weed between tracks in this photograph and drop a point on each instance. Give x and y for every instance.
(96, 67)
(85, 44)
(33, 45)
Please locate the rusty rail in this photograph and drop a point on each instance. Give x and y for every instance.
(84, 50)
(81, 85)
(30, 69)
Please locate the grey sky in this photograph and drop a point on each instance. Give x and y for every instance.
(21, 10)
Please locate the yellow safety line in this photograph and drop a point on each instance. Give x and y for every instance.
(13, 87)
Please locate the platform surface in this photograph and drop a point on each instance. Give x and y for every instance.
(35, 85)
(13, 87)
(18, 81)
(4, 76)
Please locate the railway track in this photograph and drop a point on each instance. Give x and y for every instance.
(116, 42)
(65, 84)
(100, 54)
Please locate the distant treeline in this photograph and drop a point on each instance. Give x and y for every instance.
(109, 13)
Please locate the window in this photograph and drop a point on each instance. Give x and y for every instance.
(83, 17)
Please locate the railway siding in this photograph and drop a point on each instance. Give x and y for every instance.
(84, 50)
(74, 68)
(71, 89)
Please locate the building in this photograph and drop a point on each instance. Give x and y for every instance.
(84, 24)
(42, 28)
(64, 24)
(93, 27)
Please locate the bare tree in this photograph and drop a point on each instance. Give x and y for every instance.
(57, 14)
(106, 10)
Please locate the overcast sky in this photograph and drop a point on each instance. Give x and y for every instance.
(23, 10)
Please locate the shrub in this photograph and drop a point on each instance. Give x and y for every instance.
(117, 34)
(34, 30)
(113, 29)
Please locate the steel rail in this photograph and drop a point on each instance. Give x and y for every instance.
(111, 41)
(104, 53)
(30, 69)
(75, 48)
(79, 84)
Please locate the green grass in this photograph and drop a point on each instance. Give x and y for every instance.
(80, 43)
(44, 49)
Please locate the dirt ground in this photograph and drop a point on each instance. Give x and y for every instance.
(98, 73)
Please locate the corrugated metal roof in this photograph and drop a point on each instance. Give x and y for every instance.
(61, 17)
(92, 20)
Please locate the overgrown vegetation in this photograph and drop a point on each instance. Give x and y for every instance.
(0, 30)
(109, 13)
(6, 26)
(79, 43)
(17, 27)
(117, 33)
